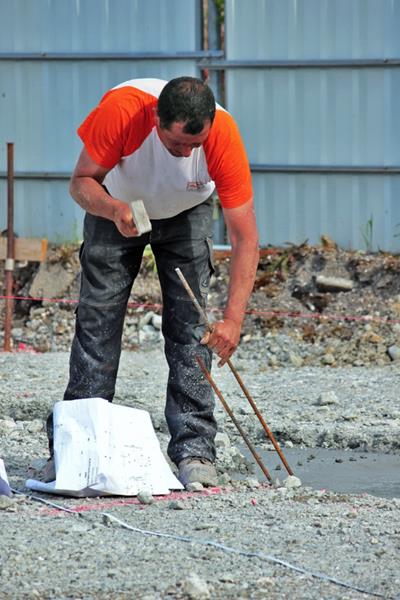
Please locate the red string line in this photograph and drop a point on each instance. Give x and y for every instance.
(261, 313)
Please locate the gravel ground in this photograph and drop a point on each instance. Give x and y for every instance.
(352, 538)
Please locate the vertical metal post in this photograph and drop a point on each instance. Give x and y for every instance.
(215, 42)
(212, 40)
(9, 264)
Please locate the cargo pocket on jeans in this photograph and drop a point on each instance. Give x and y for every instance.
(206, 275)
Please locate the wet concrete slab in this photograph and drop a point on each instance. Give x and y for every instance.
(346, 471)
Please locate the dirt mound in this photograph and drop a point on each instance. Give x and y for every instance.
(310, 305)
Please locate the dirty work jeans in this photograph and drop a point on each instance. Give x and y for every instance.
(110, 264)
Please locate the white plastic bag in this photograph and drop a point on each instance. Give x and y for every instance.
(102, 448)
(4, 485)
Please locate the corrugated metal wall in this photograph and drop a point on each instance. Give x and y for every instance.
(318, 108)
(313, 84)
(57, 58)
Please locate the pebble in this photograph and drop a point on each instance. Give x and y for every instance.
(200, 526)
(222, 441)
(327, 398)
(35, 426)
(264, 582)
(295, 359)
(394, 353)
(252, 483)
(78, 528)
(176, 505)
(156, 321)
(328, 359)
(350, 416)
(7, 503)
(228, 578)
(7, 424)
(145, 497)
(292, 482)
(195, 587)
(146, 319)
(333, 283)
(224, 479)
(196, 486)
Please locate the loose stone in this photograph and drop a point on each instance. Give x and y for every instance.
(327, 398)
(394, 353)
(195, 587)
(196, 486)
(145, 497)
(176, 505)
(292, 482)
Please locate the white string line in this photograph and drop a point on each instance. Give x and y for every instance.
(218, 545)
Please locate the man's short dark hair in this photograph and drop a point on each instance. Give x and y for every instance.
(186, 100)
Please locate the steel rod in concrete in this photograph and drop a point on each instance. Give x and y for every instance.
(267, 430)
(250, 446)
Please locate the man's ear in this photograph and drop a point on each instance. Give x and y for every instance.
(156, 117)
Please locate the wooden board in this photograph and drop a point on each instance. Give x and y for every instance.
(31, 249)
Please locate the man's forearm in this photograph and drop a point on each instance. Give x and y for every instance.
(92, 197)
(243, 268)
(87, 191)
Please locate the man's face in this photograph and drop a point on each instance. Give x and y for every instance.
(179, 143)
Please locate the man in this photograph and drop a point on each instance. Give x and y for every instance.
(169, 145)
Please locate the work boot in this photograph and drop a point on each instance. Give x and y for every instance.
(197, 469)
(46, 473)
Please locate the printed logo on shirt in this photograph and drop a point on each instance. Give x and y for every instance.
(195, 186)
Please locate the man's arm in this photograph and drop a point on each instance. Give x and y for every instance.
(243, 235)
(86, 189)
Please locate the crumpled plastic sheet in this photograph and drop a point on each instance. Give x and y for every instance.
(5, 489)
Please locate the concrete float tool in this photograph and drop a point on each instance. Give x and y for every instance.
(140, 216)
(267, 430)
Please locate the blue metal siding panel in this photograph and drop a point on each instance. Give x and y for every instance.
(312, 29)
(312, 116)
(43, 209)
(295, 208)
(99, 25)
(319, 116)
(44, 101)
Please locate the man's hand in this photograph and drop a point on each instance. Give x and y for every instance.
(124, 221)
(223, 339)
(86, 189)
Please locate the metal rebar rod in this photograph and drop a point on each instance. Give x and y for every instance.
(250, 446)
(260, 418)
(267, 430)
(9, 263)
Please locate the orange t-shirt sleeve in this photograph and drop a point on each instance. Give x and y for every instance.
(115, 127)
(227, 162)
